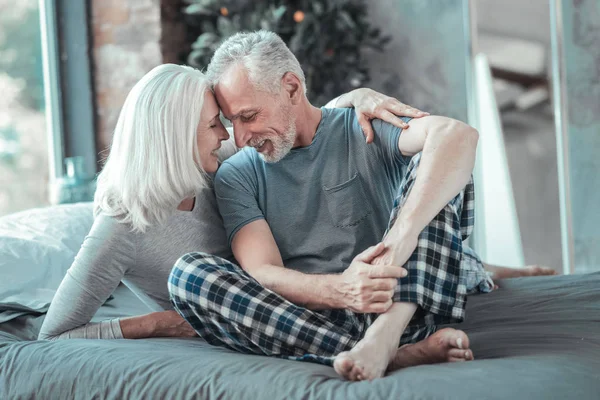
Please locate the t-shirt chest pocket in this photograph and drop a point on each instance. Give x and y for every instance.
(347, 202)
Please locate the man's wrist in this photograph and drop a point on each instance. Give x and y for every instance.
(405, 226)
(335, 292)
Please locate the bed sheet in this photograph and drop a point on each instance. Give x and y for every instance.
(535, 338)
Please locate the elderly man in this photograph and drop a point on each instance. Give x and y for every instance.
(302, 203)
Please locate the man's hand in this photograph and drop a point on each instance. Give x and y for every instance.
(369, 104)
(367, 288)
(400, 243)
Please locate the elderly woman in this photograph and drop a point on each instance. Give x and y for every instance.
(155, 202)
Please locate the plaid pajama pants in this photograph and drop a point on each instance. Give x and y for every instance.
(229, 308)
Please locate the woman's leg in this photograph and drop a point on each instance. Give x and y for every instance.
(229, 308)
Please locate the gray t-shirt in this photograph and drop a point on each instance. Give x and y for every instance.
(324, 203)
(112, 253)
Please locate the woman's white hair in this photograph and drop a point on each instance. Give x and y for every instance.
(264, 55)
(154, 161)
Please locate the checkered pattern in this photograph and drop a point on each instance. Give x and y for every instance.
(227, 307)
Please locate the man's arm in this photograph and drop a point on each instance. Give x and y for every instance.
(448, 157)
(361, 288)
(255, 249)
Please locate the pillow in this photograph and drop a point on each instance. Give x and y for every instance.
(37, 247)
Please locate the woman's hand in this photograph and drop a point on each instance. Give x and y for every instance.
(171, 324)
(156, 324)
(369, 104)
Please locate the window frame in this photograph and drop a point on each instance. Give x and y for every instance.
(68, 88)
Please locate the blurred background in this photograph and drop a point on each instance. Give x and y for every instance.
(526, 74)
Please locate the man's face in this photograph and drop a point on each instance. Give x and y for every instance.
(261, 120)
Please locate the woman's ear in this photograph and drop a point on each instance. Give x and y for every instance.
(292, 86)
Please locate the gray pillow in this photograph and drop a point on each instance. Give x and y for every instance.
(37, 247)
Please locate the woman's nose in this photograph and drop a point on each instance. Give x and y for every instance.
(225, 134)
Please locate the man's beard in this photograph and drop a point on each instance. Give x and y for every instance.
(282, 144)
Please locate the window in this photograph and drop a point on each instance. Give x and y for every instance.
(24, 167)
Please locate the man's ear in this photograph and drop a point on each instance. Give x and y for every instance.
(292, 86)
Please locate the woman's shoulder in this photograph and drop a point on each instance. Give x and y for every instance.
(109, 242)
(110, 228)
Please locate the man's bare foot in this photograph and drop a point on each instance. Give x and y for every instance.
(531, 270)
(366, 361)
(446, 345)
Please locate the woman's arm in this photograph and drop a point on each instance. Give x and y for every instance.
(370, 104)
(106, 254)
(104, 257)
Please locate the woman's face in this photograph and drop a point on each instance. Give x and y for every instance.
(210, 133)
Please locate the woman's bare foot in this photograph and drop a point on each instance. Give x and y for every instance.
(446, 345)
(366, 361)
(530, 270)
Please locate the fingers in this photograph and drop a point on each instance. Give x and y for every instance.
(390, 112)
(379, 308)
(387, 271)
(382, 297)
(388, 117)
(404, 110)
(365, 124)
(384, 283)
(369, 254)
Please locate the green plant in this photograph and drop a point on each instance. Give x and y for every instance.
(327, 36)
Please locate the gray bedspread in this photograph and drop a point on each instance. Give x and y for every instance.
(535, 338)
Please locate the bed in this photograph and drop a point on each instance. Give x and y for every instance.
(535, 338)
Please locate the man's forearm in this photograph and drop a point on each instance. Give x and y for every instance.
(445, 169)
(315, 292)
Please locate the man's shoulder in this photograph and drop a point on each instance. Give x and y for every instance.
(241, 165)
(340, 123)
(348, 117)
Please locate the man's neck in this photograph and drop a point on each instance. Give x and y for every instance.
(307, 122)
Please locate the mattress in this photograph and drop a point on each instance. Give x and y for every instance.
(535, 338)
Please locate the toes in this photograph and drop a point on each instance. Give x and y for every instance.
(464, 355)
(452, 338)
(462, 340)
(343, 365)
(459, 343)
(357, 372)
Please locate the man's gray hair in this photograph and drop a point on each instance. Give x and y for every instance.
(262, 53)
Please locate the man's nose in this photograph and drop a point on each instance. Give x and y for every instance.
(242, 136)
